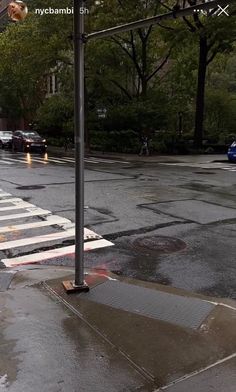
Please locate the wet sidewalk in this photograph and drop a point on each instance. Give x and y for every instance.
(194, 158)
(123, 335)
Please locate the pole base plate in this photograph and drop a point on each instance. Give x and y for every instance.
(71, 287)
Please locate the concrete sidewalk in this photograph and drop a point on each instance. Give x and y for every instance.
(123, 335)
(194, 158)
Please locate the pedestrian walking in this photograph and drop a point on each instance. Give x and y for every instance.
(66, 143)
(144, 146)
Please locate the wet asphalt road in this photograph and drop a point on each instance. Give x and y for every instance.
(172, 224)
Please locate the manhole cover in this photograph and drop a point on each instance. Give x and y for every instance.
(160, 244)
(204, 172)
(30, 187)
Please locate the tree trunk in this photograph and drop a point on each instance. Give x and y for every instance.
(144, 69)
(200, 101)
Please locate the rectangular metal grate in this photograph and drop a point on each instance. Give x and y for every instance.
(183, 311)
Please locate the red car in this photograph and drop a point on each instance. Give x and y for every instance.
(28, 141)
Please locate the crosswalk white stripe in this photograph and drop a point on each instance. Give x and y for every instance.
(89, 161)
(10, 208)
(53, 253)
(89, 234)
(17, 206)
(6, 163)
(4, 194)
(38, 160)
(34, 212)
(69, 159)
(45, 238)
(55, 160)
(37, 239)
(10, 200)
(102, 160)
(16, 160)
(54, 220)
(63, 160)
(30, 159)
(95, 160)
(26, 160)
(109, 160)
(214, 166)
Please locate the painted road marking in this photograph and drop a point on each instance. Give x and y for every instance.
(37, 240)
(63, 160)
(55, 160)
(46, 238)
(92, 240)
(5, 162)
(103, 160)
(50, 221)
(69, 159)
(33, 212)
(97, 160)
(31, 159)
(89, 161)
(10, 200)
(17, 206)
(3, 194)
(54, 253)
(16, 160)
(26, 160)
(37, 160)
(207, 165)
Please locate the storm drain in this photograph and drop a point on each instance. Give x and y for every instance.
(30, 187)
(159, 244)
(174, 309)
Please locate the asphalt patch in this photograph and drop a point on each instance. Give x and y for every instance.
(5, 280)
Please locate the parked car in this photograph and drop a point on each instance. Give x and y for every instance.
(5, 139)
(232, 152)
(28, 141)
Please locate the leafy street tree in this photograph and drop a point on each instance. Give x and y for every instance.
(144, 79)
(142, 51)
(28, 51)
(214, 35)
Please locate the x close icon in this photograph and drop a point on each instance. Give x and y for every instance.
(222, 11)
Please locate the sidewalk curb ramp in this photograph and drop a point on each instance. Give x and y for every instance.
(165, 334)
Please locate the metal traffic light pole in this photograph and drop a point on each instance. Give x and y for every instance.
(79, 41)
(78, 284)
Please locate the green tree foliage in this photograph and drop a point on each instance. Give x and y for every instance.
(55, 114)
(143, 78)
(29, 50)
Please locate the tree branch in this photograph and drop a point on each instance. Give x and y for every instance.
(189, 24)
(122, 88)
(213, 55)
(160, 66)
